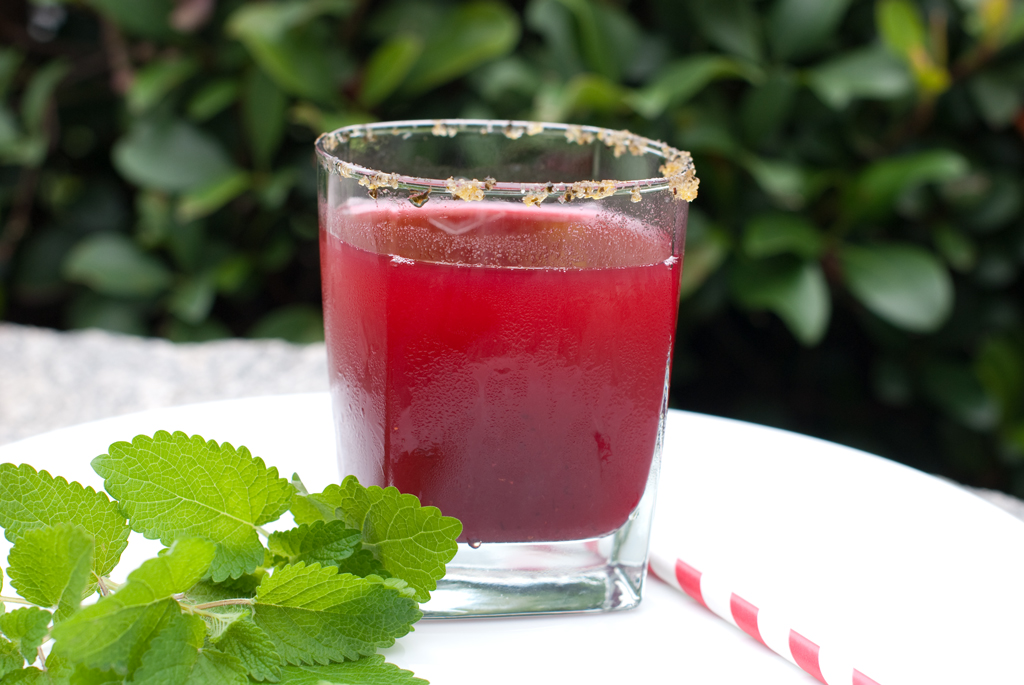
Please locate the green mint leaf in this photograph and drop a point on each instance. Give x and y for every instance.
(370, 670)
(116, 631)
(217, 668)
(59, 670)
(10, 657)
(172, 654)
(306, 508)
(324, 543)
(30, 500)
(179, 486)
(51, 566)
(253, 648)
(412, 542)
(315, 615)
(92, 676)
(176, 657)
(27, 676)
(243, 586)
(26, 628)
(362, 563)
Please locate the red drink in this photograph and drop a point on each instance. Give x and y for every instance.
(522, 397)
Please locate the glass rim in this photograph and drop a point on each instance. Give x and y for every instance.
(678, 175)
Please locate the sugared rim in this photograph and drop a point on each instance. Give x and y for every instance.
(678, 175)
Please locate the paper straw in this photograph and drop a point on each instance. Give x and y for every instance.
(775, 633)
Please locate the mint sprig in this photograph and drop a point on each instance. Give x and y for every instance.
(225, 602)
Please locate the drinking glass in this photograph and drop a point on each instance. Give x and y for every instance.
(500, 302)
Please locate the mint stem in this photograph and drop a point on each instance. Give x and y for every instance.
(101, 583)
(15, 600)
(219, 603)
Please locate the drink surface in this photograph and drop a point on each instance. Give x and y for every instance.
(518, 388)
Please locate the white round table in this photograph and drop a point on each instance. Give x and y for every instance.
(911, 579)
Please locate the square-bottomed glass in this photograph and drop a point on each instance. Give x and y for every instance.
(500, 304)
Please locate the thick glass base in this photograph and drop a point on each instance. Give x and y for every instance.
(509, 579)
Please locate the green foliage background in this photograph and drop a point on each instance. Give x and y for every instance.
(853, 260)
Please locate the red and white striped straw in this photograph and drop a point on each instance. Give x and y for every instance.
(775, 633)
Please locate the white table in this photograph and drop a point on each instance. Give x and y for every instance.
(779, 517)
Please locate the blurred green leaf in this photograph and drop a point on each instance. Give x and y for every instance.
(92, 310)
(276, 253)
(704, 130)
(156, 80)
(511, 75)
(472, 34)
(232, 273)
(902, 284)
(767, 235)
(189, 246)
(26, 150)
(583, 94)
(191, 299)
(902, 28)
(264, 106)
(767, 106)
(212, 99)
(553, 20)
(387, 68)
(1015, 26)
(680, 80)
(955, 388)
(37, 274)
(172, 156)
(958, 250)
(999, 366)
(276, 35)
(111, 264)
(798, 28)
(273, 190)
(999, 95)
(272, 20)
(206, 200)
(732, 25)
(38, 93)
(795, 290)
(295, 323)
(153, 210)
(900, 25)
(8, 128)
(146, 18)
(996, 208)
(878, 186)
(789, 184)
(871, 73)
(318, 121)
(634, 52)
(181, 332)
(10, 60)
(705, 252)
(595, 46)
